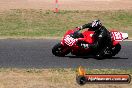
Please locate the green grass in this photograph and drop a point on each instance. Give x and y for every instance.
(40, 23)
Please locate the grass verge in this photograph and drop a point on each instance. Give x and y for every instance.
(53, 78)
(40, 23)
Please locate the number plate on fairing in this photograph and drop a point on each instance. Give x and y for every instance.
(69, 40)
(117, 36)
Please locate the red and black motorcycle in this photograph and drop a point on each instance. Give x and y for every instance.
(69, 43)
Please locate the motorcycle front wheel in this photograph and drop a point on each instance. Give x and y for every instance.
(60, 50)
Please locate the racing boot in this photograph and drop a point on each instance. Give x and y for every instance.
(108, 52)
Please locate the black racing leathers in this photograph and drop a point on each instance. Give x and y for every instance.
(101, 36)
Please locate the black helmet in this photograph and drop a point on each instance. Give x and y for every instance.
(96, 24)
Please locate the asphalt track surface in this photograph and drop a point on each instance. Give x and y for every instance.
(37, 54)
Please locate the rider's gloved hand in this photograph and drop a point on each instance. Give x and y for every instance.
(79, 28)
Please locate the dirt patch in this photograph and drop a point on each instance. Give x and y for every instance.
(48, 78)
(97, 5)
(67, 4)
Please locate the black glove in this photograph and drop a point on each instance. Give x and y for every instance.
(79, 28)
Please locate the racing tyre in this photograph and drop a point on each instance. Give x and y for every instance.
(59, 50)
(116, 49)
(81, 80)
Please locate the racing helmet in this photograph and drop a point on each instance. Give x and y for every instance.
(96, 24)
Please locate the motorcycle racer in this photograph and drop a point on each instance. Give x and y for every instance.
(101, 36)
(99, 42)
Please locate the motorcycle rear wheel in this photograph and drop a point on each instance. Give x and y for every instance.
(116, 49)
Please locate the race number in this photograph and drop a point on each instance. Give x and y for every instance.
(117, 36)
(69, 40)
